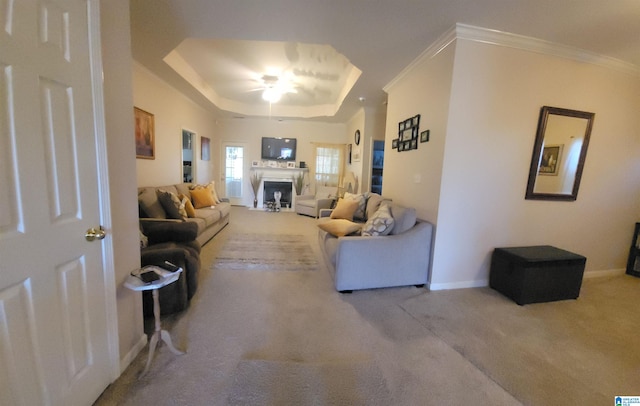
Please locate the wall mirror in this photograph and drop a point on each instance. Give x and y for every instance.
(559, 154)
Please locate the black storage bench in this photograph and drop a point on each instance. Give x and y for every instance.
(536, 274)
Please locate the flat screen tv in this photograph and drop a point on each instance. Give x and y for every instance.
(279, 149)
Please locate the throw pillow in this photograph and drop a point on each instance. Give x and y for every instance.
(188, 206)
(144, 241)
(339, 227)
(202, 198)
(381, 223)
(172, 205)
(148, 201)
(344, 209)
(404, 217)
(362, 204)
(373, 203)
(210, 187)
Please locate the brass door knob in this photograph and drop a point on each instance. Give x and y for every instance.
(95, 234)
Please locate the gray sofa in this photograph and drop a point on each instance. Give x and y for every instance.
(210, 220)
(366, 262)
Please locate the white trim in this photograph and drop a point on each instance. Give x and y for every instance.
(458, 285)
(111, 310)
(604, 272)
(133, 353)
(506, 39)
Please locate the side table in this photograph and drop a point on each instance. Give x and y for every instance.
(166, 278)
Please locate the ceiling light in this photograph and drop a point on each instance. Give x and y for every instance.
(272, 95)
(362, 98)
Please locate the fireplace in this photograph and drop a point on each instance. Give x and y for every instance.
(286, 188)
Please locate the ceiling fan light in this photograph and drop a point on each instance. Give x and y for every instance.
(271, 95)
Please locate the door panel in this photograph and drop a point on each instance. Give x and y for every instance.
(53, 335)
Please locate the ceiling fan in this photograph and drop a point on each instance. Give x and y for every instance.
(273, 87)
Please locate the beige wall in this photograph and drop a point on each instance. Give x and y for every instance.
(172, 112)
(248, 132)
(485, 151)
(122, 167)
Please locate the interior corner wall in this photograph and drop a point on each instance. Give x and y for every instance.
(413, 178)
(248, 132)
(496, 96)
(118, 104)
(172, 113)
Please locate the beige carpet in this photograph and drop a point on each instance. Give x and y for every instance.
(263, 252)
(287, 338)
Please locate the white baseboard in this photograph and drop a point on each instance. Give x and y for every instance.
(485, 283)
(458, 285)
(604, 272)
(131, 355)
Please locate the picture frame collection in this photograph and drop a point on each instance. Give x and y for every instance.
(409, 134)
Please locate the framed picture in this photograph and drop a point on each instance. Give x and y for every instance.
(550, 161)
(145, 134)
(356, 155)
(204, 148)
(349, 151)
(408, 131)
(255, 164)
(414, 144)
(273, 164)
(291, 165)
(394, 143)
(424, 136)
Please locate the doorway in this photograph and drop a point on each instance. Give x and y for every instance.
(377, 161)
(233, 172)
(188, 163)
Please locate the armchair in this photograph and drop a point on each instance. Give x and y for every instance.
(310, 205)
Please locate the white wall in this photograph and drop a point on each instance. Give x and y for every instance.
(122, 166)
(486, 146)
(357, 122)
(172, 112)
(249, 132)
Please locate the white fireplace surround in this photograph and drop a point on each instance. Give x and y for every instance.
(277, 175)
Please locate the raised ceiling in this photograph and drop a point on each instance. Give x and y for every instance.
(378, 38)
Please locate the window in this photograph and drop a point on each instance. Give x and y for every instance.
(329, 164)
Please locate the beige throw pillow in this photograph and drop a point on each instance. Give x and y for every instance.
(344, 209)
(339, 227)
(359, 214)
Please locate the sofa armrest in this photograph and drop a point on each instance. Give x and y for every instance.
(169, 231)
(384, 261)
(325, 213)
(324, 203)
(224, 199)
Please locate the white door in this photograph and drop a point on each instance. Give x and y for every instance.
(53, 338)
(233, 172)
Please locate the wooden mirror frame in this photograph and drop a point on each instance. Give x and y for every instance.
(545, 112)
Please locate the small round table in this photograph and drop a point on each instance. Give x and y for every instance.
(166, 278)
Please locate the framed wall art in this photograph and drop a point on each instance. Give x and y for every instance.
(205, 148)
(408, 131)
(145, 135)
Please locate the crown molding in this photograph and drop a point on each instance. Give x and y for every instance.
(505, 39)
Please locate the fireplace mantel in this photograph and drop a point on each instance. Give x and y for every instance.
(276, 175)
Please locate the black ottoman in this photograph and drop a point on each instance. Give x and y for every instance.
(536, 274)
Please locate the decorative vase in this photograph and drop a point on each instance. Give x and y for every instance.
(255, 202)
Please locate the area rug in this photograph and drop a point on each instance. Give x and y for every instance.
(266, 252)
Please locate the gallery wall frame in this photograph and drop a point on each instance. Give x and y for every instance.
(145, 135)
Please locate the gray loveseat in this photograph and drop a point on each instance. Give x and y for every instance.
(210, 220)
(365, 262)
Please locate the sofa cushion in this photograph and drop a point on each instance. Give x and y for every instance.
(405, 218)
(381, 223)
(359, 214)
(208, 214)
(149, 203)
(224, 208)
(339, 227)
(344, 209)
(202, 198)
(172, 205)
